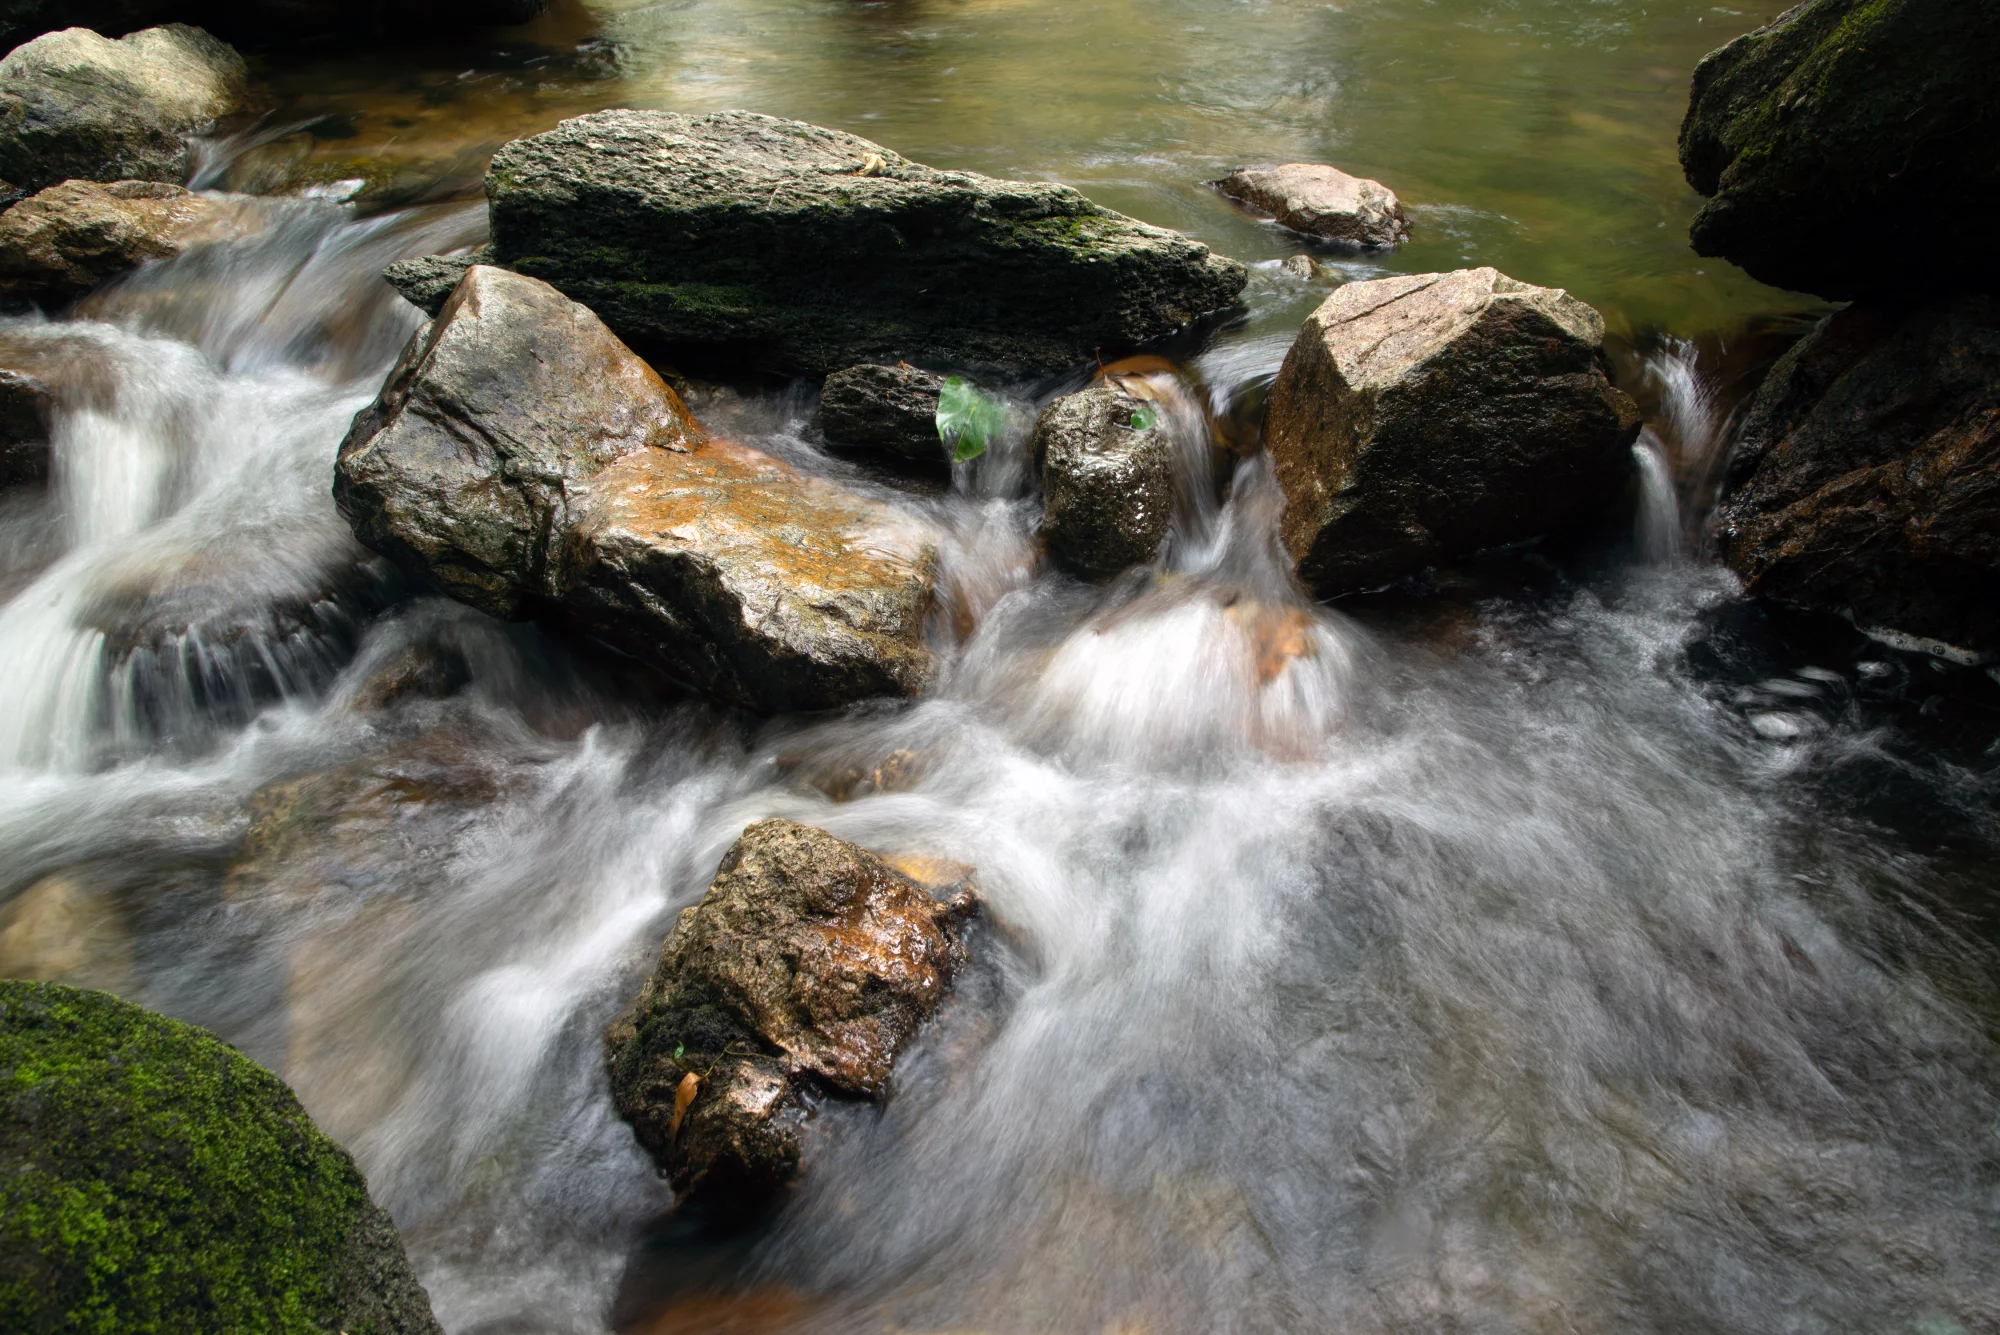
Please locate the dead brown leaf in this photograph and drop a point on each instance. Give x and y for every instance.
(683, 1095)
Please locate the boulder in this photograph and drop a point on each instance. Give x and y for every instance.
(807, 250)
(1851, 126)
(522, 460)
(26, 403)
(804, 970)
(1425, 418)
(1866, 479)
(77, 106)
(888, 408)
(1322, 201)
(23, 19)
(64, 241)
(1107, 472)
(427, 281)
(152, 1179)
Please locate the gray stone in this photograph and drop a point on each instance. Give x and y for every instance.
(1426, 418)
(428, 280)
(806, 250)
(1107, 485)
(1324, 202)
(64, 241)
(25, 405)
(523, 460)
(888, 408)
(77, 106)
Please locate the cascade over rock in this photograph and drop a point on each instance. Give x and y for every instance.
(1867, 473)
(78, 106)
(523, 460)
(154, 1180)
(806, 967)
(64, 241)
(1846, 125)
(1426, 418)
(807, 250)
(1106, 468)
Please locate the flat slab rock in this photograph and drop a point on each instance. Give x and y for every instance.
(77, 106)
(67, 239)
(1427, 418)
(805, 968)
(523, 460)
(807, 250)
(1324, 202)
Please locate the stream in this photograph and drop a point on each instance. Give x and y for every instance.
(1565, 950)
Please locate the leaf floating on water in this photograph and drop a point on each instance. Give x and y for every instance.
(968, 418)
(683, 1095)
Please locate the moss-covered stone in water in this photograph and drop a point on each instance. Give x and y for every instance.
(153, 1179)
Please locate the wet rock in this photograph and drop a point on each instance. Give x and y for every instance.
(64, 241)
(522, 460)
(808, 250)
(1847, 124)
(890, 408)
(77, 106)
(25, 404)
(804, 969)
(1424, 418)
(428, 280)
(1322, 201)
(63, 929)
(1106, 467)
(1866, 480)
(153, 1172)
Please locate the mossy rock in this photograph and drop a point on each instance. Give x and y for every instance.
(1852, 148)
(154, 1179)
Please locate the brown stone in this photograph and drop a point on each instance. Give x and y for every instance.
(57, 245)
(1324, 202)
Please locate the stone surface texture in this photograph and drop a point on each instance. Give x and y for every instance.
(427, 281)
(1107, 485)
(523, 460)
(888, 408)
(1848, 125)
(154, 1180)
(807, 250)
(805, 968)
(1426, 418)
(1867, 473)
(78, 106)
(60, 243)
(1324, 202)
(26, 402)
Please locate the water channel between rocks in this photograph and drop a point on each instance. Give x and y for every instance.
(1549, 955)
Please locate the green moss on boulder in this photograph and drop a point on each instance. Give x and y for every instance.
(154, 1179)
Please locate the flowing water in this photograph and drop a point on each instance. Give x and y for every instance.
(1561, 950)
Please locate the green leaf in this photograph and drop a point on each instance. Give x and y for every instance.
(968, 418)
(1143, 419)
(679, 1048)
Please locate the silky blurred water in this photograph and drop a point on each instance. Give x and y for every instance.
(1560, 950)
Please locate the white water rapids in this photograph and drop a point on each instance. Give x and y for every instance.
(1502, 965)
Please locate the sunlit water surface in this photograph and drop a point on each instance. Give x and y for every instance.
(1544, 955)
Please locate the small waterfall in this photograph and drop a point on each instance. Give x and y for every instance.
(1658, 526)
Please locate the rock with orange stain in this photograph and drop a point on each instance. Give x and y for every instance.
(523, 460)
(57, 245)
(805, 968)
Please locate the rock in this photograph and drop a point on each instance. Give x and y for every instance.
(76, 106)
(154, 1179)
(1322, 201)
(890, 408)
(59, 244)
(428, 280)
(1106, 466)
(1425, 418)
(23, 19)
(25, 405)
(62, 929)
(1847, 125)
(804, 969)
(1866, 480)
(808, 250)
(522, 460)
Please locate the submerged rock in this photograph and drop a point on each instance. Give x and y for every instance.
(154, 1179)
(1846, 125)
(1866, 480)
(523, 460)
(77, 106)
(1106, 467)
(25, 405)
(1425, 418)
(64, 241)
(1322, 201)
(809, 250)
(805, 968)
(890, 408)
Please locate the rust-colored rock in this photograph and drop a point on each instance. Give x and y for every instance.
(806, 966)
(60, 243)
